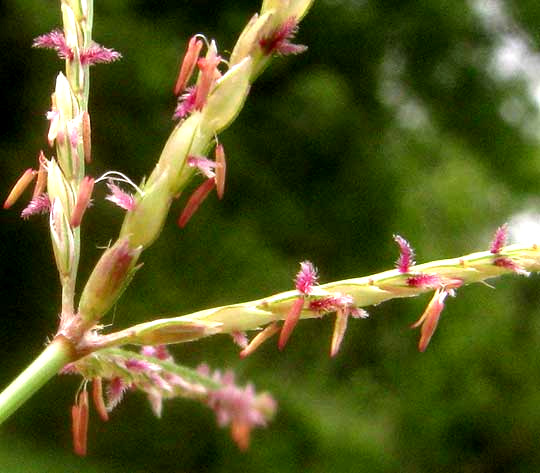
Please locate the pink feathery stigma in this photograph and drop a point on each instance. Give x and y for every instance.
(195, 200)
(204, 165)
(241, 408)
(98, 54)
(119, 197)
(279, 41)
(115, 392)
(335, 302)
(406, 255)
(499, 239)
(508, 263)
(157, 351)
(424, 280)
(240, 338)
(186, 103)
(188, 64)
(306, 278)
(54, 40)
(39, 205)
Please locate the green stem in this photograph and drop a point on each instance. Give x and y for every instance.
(41, 370)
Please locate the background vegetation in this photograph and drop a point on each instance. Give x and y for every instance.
(411, 117)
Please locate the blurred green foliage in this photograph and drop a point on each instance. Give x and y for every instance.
(398, 119)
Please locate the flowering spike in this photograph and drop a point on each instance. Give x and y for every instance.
(38, 205)
(97, 396)
(306, 278)
(430, 318)
(290, 322)
(119, 197)
(195, 200)
(20, 186)
(79, 417)
(340, 328)
(406, 255)
(83, 201)
(220, 170)
(260, 338)
(279, 41)
(499, 239)
(188, 64)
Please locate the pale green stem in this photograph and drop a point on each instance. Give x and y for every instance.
(42, 369)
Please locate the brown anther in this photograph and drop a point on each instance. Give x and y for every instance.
(87, 137)
(188, 64)
(209, 73)
(20, 186)
(97, 396)
(195, 200)
(79, 417)
(41, 181)
(290, 322)
(83, 200)
(260, 338)
(220, 170)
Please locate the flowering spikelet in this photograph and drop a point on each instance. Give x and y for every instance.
(279, 41)
(305, 280)
(406, 255)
